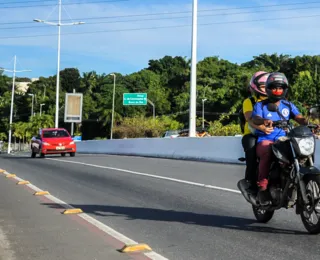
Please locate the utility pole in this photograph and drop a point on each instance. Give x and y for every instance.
(32, 104)
(113, 97)
(14, 71)
(59, 24)
(193, 77)
(72, 124)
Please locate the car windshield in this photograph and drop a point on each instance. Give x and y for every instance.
(55, 134)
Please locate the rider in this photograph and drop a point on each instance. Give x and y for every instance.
(276, 88)
(258, 93)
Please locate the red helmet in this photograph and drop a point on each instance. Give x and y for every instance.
(258, 79)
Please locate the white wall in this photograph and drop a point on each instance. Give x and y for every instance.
(214, 149)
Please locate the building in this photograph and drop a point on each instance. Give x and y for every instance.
(23, 86)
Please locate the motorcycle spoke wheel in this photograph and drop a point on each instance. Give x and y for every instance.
(311, 213)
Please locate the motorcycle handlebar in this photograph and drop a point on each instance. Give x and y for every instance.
(280, 124)
(285, 124)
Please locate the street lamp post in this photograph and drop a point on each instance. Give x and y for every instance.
(59, 24)
(113, 96)
(203, 100)
(153, 108)
(14, 71)
(32, 103)
(41, 108)
(193, 77)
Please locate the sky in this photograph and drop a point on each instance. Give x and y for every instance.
(123, 35)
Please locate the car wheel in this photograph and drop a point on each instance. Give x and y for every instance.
(63, 154)
(72, 154)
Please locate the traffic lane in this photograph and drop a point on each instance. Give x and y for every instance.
(28, 230)
(179, 221)
(224, 175)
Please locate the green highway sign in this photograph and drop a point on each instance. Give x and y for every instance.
(134, 99)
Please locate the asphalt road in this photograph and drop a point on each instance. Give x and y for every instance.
(178, 220)
(29, 230)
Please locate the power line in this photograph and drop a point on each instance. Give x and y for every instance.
(160, 27)
(163, 18)
(26, 2)
(178, 12)
(79, 3)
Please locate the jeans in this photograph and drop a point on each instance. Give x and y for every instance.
(264, 152)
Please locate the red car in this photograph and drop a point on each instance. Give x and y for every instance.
(53, 141)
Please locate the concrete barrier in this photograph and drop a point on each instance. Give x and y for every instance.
(214, 149)
(223, 149)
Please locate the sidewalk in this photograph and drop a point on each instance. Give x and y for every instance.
(29, 230)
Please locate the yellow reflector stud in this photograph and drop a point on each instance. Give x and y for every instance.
(72, 211)
(39, 193)
(135, 248)
(23, 182)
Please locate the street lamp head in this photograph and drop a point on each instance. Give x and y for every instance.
(42, 104)
(31, 94)
(38, 20)
(112, 74)
(204, 99)
(80, 23)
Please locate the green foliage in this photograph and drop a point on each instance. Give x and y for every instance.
(167, 82)
(217, 129)
(140, 126)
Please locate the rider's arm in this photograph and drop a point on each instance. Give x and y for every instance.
(257, 116)
(301, 120)
(298, 117)
(257, 120)
(249, 118)
(247, 111)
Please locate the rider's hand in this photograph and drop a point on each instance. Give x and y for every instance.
(267, 129)
(268, 123)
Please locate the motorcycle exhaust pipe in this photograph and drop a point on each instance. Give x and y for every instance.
(243, 186)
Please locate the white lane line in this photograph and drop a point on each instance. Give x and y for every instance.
(150, 175)
(110, 231)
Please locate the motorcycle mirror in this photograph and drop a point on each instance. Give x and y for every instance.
(272, 107)
(314, 112)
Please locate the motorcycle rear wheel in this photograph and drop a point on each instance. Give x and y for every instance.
(308, 213)
(262, 216)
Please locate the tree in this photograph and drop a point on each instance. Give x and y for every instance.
(70, 79)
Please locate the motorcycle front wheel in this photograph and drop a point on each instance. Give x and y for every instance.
(310, 215)
(262, 216)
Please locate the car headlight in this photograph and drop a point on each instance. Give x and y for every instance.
(72, 142)
(306, 145)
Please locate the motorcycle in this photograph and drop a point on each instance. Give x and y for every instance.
(293, 178)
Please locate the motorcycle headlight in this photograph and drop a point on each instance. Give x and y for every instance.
(305, 145)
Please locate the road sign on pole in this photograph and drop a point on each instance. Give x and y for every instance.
(73, 108)
(135, 99)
